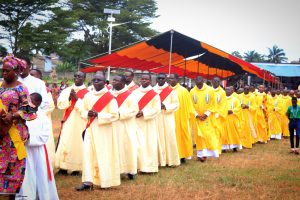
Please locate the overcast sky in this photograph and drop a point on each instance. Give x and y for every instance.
(231, 25)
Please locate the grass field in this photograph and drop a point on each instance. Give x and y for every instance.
(267, 171)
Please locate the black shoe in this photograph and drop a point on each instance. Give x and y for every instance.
(234, 149)
(84, 187)
(224, 151)
(202, 159)
(131, 176)
(75, 173)
(182, 160)
(63, 172)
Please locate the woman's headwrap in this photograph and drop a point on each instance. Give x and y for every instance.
(14, 62)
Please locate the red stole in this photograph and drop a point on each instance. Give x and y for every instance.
(100, 104)
(48, 163)
(146, 99)
(122, 97)
(133, 88)
(80, 94)
(164, 93)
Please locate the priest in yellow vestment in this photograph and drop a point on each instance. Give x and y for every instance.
(220, 110)
(283, 103)
(206, 138)
(232, 129)
(248, 133)
(260, 120)
(182, 119)
(273, 120)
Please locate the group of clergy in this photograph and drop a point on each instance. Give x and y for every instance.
(123, 128)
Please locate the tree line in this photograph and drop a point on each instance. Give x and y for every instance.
(275, 55)
(74, 29)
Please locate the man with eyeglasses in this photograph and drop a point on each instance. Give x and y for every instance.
(68, 156)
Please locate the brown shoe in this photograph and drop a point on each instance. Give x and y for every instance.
(292, 151)
(297, 152)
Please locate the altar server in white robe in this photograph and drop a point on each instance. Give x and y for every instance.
(126, 126)
(167, 133)
(50, 143)
(101, 165)
(149, 108)
(39, 181)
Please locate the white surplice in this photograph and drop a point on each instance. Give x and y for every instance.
(36, 184)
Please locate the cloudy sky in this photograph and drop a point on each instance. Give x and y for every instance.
(231, 25)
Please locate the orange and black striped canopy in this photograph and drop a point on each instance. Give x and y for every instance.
(189, 57)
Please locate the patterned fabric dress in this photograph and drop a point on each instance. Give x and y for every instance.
(12, 169)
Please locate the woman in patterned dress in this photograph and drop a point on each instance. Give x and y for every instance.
(15, 109)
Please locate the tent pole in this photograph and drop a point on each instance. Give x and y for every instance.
(171, 48)
(207, 72)
(184, 71)
(198, 68)
(264, 77)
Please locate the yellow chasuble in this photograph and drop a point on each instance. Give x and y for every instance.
(273, 120)
(260, 120)
(206, 138)
(248, 134)
(101, 164)
(126, 133)
(168, 150)
(284, 102)
(232, 124)
(147, 131)
(182, 121)
(220, 114)
(68, 155)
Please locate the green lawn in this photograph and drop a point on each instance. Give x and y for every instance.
(267, 171)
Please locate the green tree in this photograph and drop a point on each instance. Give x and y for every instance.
(237, 54)
(276, 55)
(91, 21)
(253, 56)
(15, 14)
